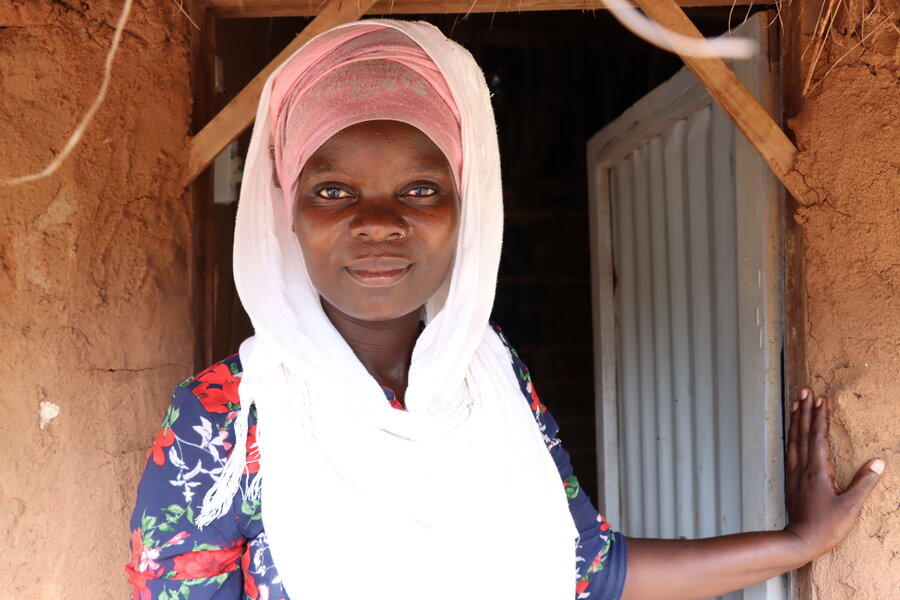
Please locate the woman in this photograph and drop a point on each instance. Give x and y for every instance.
(382, 440)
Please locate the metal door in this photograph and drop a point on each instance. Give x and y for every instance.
(687, 310)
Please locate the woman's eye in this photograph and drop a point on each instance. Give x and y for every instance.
(422, 191)
(333, 193)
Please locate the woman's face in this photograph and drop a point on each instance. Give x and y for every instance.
(377, 215)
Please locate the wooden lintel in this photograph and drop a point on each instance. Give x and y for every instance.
(306, 8)
(240, 112)
(748, 114)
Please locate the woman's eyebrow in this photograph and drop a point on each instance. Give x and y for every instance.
(431, 167)
(324, 167)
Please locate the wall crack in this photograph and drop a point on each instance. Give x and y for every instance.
(132, 370)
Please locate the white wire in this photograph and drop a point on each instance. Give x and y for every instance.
(86, 119)
(635, 21)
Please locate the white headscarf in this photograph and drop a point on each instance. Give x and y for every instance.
(456, 497)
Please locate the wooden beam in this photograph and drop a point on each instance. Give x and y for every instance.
(732, 95)
(799, 23)
(203, 56)
(306, 8)
(240, 112)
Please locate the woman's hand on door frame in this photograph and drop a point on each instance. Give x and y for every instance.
(820, 513)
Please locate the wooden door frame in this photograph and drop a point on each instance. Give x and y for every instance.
(205, 14)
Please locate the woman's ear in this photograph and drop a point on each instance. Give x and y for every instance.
(274, 174)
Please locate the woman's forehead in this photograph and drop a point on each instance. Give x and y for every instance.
(384, 141)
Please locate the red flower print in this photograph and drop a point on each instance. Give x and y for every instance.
(141, 568)
(535, 401)
(581, 585)
(207, 563)
(249, 582)
(252, 452)
(177, 539)
(604, 526)
(139, 582)
(217, 389)
(164, 439)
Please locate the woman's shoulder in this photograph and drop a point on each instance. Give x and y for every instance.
(201, 414)
(216, 387)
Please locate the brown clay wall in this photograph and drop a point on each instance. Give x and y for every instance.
(95, 279)
(848, 133)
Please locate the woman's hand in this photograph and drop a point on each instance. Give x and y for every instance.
(820, 514)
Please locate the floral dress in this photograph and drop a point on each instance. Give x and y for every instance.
(172, 559)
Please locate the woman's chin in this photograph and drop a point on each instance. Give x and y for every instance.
(373, 312)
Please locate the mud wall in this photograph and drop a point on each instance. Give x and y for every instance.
(848, 133)
(95, 284)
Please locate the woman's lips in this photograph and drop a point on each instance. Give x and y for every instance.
(377, 271)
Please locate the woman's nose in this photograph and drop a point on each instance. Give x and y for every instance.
(378, 224)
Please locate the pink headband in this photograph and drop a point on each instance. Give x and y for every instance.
(355, 74)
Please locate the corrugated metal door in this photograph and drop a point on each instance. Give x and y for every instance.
(687, 280)
(674, 230)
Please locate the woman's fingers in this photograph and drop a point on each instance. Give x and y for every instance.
(819, 452)
(818, 511)
(792, 453)
(804, 417)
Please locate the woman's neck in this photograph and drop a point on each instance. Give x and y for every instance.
(384, 347)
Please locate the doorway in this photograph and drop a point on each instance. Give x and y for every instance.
(556, 78)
